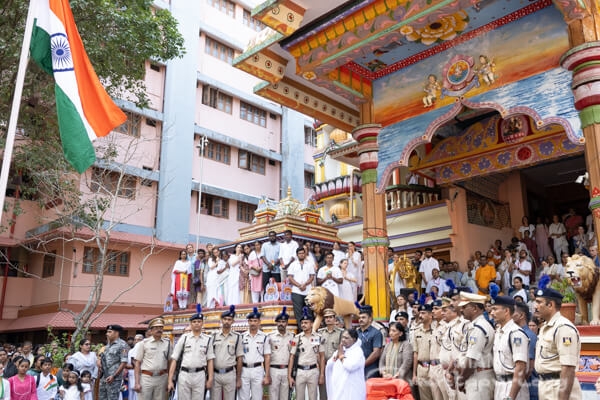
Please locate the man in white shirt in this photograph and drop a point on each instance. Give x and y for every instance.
(287, 254)
(427, 266)
(330, 276)
(302, 276)
(523, 268)
(438, 282)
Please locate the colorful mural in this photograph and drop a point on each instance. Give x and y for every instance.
(483, 149)
(472, 67)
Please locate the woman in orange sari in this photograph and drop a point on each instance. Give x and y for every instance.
(181, 279)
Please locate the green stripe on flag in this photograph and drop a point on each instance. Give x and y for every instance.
(76, 144)
(40, 49)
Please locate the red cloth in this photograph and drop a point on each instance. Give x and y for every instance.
(383, 389)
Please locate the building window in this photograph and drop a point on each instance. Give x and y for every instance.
(309, 179)
(212, 97)
(215, 206)
(225, 6)
(252, 23)
(113, 183)
(115, 262)
(251, 162)
(253, 114)
(130, 127)
(218, 152)
(219, 50)
(310, 136)
(245, 212)
(49, 263)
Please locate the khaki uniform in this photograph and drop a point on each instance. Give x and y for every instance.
(197, 350)
(331, 342)
(255, 349)
(558, 344)
(458, 337)
(114, 355)
(511, 344)
(436, 372)
(279, 346)
(227, 349)
(154, 364)
(480, 343)
(307, 376)
(421, 346)
(450, 347)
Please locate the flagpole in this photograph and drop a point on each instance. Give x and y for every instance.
(14, 112)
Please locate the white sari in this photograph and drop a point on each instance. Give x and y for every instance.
(346, 379)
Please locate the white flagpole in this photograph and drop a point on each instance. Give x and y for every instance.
(14, 112)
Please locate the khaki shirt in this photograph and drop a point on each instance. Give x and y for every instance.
(558, 344)
(422, 343)
(255, 347)
(227, 349)
(436, 340)
(480, 342)
(511, 344)
(331, 340)
(310, 347)
(154, 354)
(279, 346)
(197, 350)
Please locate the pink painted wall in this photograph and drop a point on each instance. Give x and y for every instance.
(19, 293)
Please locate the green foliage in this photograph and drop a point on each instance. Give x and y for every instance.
(120, 36)
(564, 287)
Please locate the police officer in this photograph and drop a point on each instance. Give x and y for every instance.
(331, 341)
(308, 348)
(152, 363)
(447, 356)
(257, 354)
(511, 346)
(197, 354)
(476, 367)
(421, 355)
(228, 359)
(438, 384)
(279, 344)
(112, 363)
(557, 349)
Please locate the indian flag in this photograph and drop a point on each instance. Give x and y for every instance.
(84, 109)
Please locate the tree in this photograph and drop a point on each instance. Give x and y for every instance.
(120, 36)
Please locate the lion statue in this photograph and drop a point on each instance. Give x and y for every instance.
(583, 275)
(319, 298)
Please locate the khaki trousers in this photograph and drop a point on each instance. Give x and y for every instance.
(548, 390)
(191, 385)
(153, 387)
(223, 386)
(481, 385)
(280, 386)
(307, 380)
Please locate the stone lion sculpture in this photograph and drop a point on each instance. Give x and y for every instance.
(583, 275)
(319, 298)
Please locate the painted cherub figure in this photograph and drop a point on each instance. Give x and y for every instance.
(486, 69)
(431, 88)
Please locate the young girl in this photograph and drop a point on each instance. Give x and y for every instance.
(86, 384)
(72, 389)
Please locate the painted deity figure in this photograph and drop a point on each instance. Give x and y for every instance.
(486, 69)
(431, 88)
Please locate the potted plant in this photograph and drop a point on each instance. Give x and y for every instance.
(569, 298)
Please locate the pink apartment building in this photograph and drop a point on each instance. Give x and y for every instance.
(252, 148)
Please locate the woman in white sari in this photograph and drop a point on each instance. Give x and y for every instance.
(233, 281)
(344, 373)
(212, 279)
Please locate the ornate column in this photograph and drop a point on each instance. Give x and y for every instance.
(584, 61)
(375, 240)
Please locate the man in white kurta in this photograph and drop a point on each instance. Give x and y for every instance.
(344, 374)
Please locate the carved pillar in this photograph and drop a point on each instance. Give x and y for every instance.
(375, 241)
(584, 61)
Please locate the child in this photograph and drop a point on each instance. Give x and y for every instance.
(47, 385)
(72, 389)
(86, 384)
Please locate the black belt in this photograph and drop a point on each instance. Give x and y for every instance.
(186, 369)
(550, 376)
(425, 363)
(504, 378)
(252, 365)
(307, 367)
(224, 370)
(279, 366)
